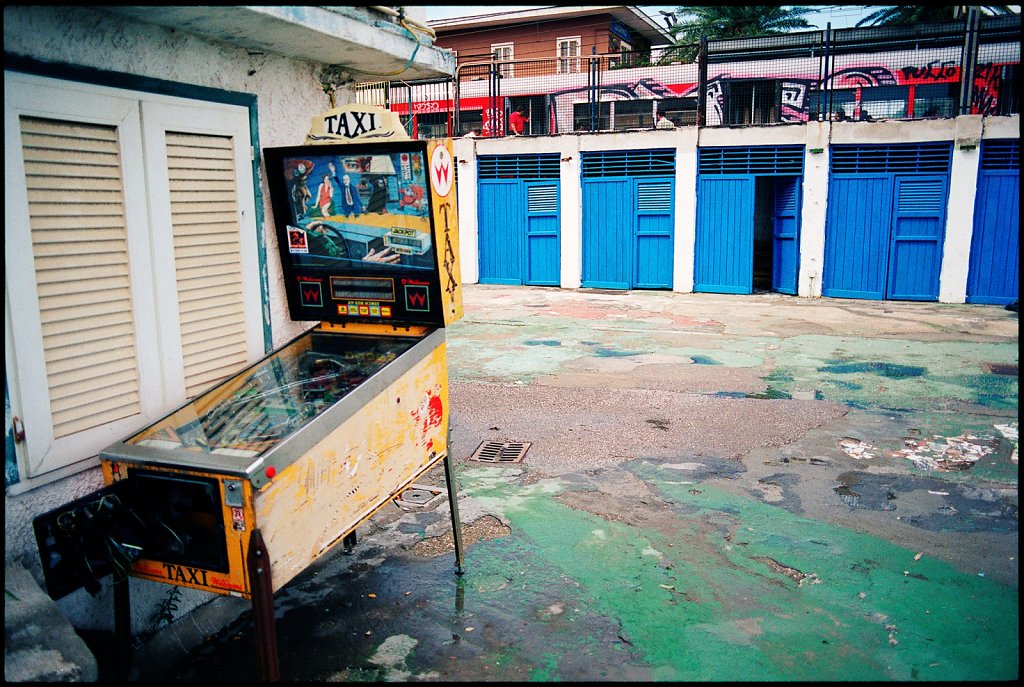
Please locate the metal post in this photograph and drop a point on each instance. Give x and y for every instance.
(592, 95)
(969, 59)
(457, 101)
(453, 505)
(702, 80)
(825, 96)
(258, 564)
(122, 629)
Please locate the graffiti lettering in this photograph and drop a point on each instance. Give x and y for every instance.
(794, 104)
(715, 111)
(988, 84)
(862, 76)
(933, 71)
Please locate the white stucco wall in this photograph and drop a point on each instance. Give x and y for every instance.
(816, 138)
(288, 91)
(815, 200)
(288, 95)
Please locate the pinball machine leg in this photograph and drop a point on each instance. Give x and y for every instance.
(258, 563)
(453, 504)
(122, 630)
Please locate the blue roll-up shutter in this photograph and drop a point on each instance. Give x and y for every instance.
(857, 237)
(785, 235)
(654, 217)
(994, 272)
(915, 258)
(500, 235)
(542, 219)
(607, 233)
(885, 221)
(518, 219)
(628, 218)
(724, 245)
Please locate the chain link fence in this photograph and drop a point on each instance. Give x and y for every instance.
(860, 74)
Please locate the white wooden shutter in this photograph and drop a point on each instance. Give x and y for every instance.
(207, 257)
(132, 262)
(80, 249)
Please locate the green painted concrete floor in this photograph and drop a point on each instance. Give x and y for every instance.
(716, 488)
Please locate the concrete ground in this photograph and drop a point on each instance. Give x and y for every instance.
(713, 488)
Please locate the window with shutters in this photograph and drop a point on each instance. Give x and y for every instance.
(568, 53)
(131, 262)
(504, 52)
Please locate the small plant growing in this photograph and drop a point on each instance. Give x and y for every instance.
(165, 611)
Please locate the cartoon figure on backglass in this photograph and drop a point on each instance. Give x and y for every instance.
(375, 211)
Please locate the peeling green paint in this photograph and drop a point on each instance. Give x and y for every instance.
(735, 589)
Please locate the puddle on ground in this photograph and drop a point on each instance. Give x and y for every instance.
(930, 503)
(890, 370)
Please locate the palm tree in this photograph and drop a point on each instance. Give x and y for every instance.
(728, 21)
(922, 14)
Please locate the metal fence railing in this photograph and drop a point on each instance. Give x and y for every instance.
(924, 71)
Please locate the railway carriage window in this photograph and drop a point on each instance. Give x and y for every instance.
(633, 114)
(469, 120)
(681, 111)
(884, 102)
(936, 100)
(752, 102)
(432, 125)
(581, 117)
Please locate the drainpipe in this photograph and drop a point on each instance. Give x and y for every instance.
(969, 59)
(825, 101)
(702, 80)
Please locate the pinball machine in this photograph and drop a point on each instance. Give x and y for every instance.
(244, 486)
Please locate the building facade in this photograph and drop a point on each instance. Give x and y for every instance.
(566, 33)
(140, 255)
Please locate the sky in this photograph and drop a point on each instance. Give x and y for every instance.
(841, 16)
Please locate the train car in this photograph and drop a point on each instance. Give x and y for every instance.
(911, 83)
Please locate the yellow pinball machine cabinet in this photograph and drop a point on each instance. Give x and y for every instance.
(243, 487)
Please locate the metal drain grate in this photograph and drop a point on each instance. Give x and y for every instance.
(1008, 369)
(500, 452)
(418, 496)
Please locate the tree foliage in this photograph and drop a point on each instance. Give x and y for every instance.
(729, 21)
(901, 15)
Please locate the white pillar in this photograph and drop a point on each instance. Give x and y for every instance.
(686, 210)
(469, 240)
(963, 187)
(812, 217)
(571, 209)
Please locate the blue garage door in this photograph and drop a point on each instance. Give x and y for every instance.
(628, 219)
(729, 209)
(995, 245)
(518, 219)
(724, 245)
(885, 221)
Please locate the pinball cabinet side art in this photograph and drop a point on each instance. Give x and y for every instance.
(243, 487)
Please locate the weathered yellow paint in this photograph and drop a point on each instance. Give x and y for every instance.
(357, 468)
(235, 581)
(446, 237)
(376, 329)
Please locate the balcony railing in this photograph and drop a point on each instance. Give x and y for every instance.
(883, 73)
